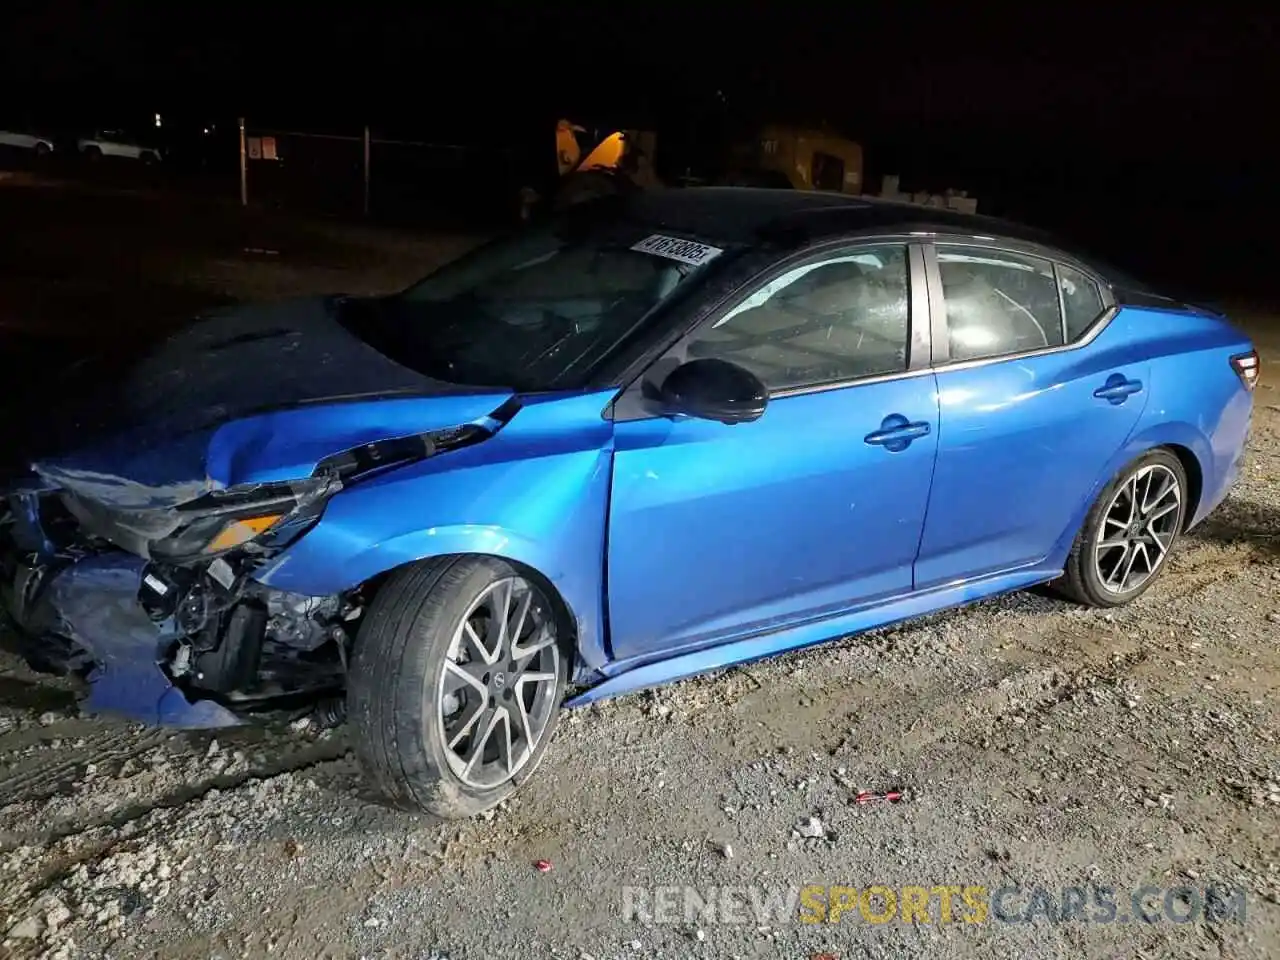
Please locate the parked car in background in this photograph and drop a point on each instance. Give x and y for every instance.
(38, 144)
(115, 143)
(660, 435)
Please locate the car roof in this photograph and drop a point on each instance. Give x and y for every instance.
(793, 218)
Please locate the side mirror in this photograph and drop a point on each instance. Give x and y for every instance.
(714, 389)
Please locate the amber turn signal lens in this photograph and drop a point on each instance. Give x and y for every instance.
(240, 531)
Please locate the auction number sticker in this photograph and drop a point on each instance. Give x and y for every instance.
(673, 248)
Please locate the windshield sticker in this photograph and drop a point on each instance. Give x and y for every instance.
(673, 248)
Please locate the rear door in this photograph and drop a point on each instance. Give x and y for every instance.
(718, 532)
(1034, 399)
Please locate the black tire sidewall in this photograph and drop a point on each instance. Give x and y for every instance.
(1086, 570)
(418, 748)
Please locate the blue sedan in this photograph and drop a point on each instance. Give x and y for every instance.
(656, 436)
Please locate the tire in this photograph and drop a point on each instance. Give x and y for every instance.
(93, 154)
(409, 653)
(1093, 576)
(42, 151)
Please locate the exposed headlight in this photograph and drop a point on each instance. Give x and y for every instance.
(279, 512)
(227, 519)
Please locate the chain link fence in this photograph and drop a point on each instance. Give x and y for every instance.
(397, 181)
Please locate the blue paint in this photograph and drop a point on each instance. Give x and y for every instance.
(536, 492)
(719, 531)
(624, 677)
(96, 604)
(680, 545)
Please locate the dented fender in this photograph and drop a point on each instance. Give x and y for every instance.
(536, 492)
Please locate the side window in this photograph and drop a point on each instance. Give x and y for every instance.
(998, 303)
(840, 318)
(1081, 301)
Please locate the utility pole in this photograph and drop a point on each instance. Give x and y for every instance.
(244, 169)
(366, 170)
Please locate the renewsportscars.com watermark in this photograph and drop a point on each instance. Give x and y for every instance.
(939, 904)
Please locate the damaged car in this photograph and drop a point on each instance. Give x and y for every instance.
(659, 435)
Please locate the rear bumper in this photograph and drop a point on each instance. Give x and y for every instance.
(83, 615)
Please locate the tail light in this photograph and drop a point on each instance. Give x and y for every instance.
(1246, 367)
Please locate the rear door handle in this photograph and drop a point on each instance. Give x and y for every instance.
(1118, 389)
(896, 432)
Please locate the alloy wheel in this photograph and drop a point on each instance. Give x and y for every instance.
(497, 690)
(1138, 528)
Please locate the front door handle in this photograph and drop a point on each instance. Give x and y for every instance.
(1118, 389)
(896, 433)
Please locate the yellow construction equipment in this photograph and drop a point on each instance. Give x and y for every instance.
(778, 156)
(799, 158)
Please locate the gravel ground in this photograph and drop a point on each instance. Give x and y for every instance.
(1035, 744)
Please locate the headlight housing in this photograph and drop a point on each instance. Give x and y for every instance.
(280, 512)
(227, 519)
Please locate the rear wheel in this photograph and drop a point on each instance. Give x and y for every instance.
(456, 684)
(1128, 534)
(93, 153)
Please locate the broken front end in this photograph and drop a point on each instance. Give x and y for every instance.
(156, 605)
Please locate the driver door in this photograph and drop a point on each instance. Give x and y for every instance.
(717, 532)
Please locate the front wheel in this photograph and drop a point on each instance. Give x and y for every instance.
(1128, 534)
(456, 684)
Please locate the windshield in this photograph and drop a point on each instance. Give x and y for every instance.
(535, 311)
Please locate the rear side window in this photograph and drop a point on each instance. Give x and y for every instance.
(1081, 301)
(998, 302)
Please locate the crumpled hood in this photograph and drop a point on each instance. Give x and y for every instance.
(251, 394)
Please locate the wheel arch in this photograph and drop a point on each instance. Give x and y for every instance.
(1195, 479)
(1183, 440)
(564, 612)
(571, 579)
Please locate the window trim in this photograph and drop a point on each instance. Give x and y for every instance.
(632, 405)
(941, 335)
(1062, 301)
(1099, 287)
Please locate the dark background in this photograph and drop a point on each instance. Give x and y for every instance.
(1148, 136)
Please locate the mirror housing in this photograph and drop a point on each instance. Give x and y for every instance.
(712, 389)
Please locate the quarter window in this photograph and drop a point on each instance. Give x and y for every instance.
(841, 318)
(997, 302)
(1081, 301)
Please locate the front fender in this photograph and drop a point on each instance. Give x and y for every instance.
(536, 493)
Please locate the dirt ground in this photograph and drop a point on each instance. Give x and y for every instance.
(1038, 746)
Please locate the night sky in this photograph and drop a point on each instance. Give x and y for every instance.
(1057, 113)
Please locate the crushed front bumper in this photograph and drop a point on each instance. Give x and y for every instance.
(82, 614)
